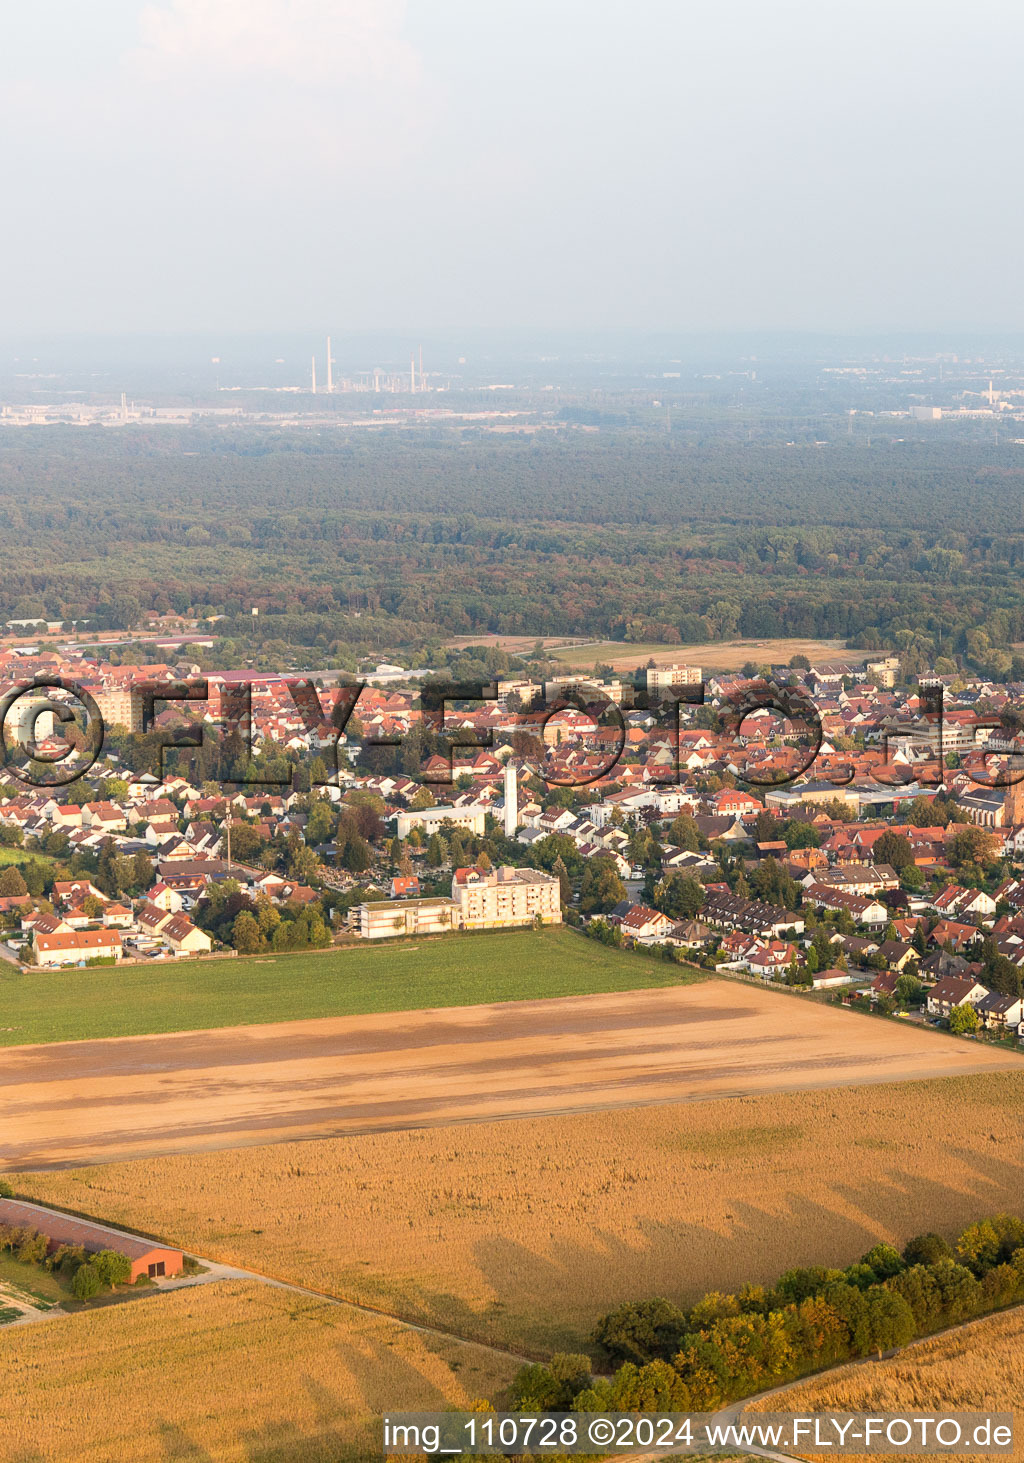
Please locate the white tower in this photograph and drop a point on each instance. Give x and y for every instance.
(511, 801)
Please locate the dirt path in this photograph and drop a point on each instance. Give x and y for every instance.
(97, 1101)
(214, 1271)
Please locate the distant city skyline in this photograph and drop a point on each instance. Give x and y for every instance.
(286, 165)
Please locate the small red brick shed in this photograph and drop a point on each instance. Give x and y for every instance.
(147, 1257)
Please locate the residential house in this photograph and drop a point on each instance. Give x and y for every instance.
(76, 947)
(951, 991)
(998, 1011)
(645, 926)
(184, 937)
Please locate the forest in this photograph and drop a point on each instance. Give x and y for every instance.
(363, 544)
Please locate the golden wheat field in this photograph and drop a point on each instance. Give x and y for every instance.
(525, 1232)
(976, 1368)
(234, 1371)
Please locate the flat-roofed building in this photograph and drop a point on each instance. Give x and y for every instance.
(429, 820)
(387, 919)
(506, 896)
(663, 678)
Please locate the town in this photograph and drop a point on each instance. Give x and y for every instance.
(884, 869)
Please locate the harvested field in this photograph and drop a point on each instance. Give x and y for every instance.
(525, 1233)
(87, 1102)
(975, 1368)
(729, 655)
(234, 1372)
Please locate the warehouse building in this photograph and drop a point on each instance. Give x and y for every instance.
(146, 1256)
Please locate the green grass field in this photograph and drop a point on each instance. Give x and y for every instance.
(22, 856)
(466, 970)
(33, 1280)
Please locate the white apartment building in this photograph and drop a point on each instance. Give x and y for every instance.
(559, 686)
(385, 919)
(429, 820)
(662, 679)
(505, 896)
(75, 947)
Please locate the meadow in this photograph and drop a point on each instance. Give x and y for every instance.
(974, 1368)
(525, 1233)
(197, 995)
(236, 1371)
(21, 856)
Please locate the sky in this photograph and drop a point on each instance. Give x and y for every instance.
(833, 165)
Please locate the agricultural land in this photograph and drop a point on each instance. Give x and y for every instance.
(524, 1235)
(239, 1372)
(974, 1368)
(140, 1096)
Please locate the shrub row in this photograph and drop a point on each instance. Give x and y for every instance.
(88, 1273)
(730, 1346)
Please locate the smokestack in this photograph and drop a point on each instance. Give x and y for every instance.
(511, 800)
(330, 376)
(313, 370)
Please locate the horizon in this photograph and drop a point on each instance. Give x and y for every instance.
(207, 164)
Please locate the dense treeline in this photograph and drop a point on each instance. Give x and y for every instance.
(404, 540)
(731, 1346)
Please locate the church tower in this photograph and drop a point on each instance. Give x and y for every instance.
(1013, 801)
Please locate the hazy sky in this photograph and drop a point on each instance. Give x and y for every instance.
(284, 164)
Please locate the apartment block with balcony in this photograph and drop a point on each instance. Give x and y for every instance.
(503, 897)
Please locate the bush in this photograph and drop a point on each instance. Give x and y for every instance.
(926, 1249)
(6, 1192)
(884, 1260)
(551, 1388)
(87, 1282)
(33, 1248)
(647, 1330)
(112, 1268)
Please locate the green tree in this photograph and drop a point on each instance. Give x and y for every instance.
(679, 895)
(600, 887)
(112, 1268)
(964, 1020)
(564, 883)
(909, 991)
(885, 1260)
(86, 1282)
(684, 833)
(245, 934)
(800, 834)
(971, 846)
(319, 822)
(12, 883)
(642, 1331)
(926, 1249)
(890, 1319)
(246, 843)
(893, 849)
